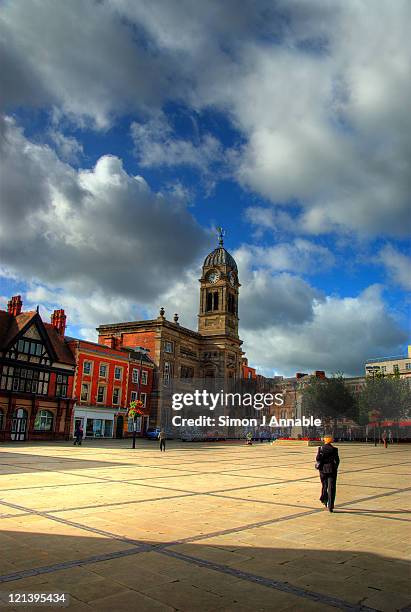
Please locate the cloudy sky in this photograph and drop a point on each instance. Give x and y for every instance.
(130, 130)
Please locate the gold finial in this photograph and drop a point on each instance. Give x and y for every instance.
(220, 234)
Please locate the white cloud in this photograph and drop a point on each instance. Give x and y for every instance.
(156, 145)
(320, 98)
(68, 148)
(99, 229)
(271, 218)
(318, 92)
(298, 256)
(340, 336)
(398, 266)
(78, 55)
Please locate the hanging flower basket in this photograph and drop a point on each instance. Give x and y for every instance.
(136, 409)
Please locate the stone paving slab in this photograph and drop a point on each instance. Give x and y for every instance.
(205, 527)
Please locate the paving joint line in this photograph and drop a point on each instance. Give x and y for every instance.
(277, 585)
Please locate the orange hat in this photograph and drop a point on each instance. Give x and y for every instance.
(328, 439)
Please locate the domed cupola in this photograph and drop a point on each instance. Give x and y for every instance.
(220, 256)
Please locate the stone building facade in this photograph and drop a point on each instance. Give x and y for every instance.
(398, 366)
(212, 352)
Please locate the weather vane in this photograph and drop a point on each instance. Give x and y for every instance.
(220, 234)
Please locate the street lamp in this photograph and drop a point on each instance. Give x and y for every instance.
(143, 351)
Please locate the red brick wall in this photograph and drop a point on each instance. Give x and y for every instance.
(132, 339)
(248, 372)
(94, 379)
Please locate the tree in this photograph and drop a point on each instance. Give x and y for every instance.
(329, 399)
(389, 396)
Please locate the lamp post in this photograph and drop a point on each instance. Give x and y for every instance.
(375, 414)
(143, 351)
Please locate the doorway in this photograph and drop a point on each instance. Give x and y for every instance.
(119, 427)
(19, 425)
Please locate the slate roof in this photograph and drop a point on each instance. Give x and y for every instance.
(220, 257)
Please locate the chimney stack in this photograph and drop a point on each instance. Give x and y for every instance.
(15, 305)
(58, 320)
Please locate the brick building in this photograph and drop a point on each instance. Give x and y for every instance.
(106, 381)
(248, 373)
(36, 375)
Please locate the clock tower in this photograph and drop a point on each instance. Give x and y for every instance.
(219, 293)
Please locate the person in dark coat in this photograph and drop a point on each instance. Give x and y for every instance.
(162, 438)
(327, 461)
(78, 434)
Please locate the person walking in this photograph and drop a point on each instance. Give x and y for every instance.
(78, 434)
(384, 438)
(162, 438)
(327, 462)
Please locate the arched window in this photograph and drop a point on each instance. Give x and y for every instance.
(231, 303)
(209, 301)
(215, 301)
(44, 421)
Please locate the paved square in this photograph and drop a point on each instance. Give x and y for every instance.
(204, 527)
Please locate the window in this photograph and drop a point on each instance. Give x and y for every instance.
(85, 390)
(1, 419)
(87, 367)
(116, 395)
(134, 425)
(133, 396)
(102, 372)
(61, 385)
(144, 376)
(187, 372)
(98, 425)
(167, 372)
(30, 350)
(44, 421)
(168, 346)
(408, 365)
(101, 394)
(396, 368)
(118, 373)
(108, 429)
(143, 397)
(212, 301)
(25, 380)
(134, 376)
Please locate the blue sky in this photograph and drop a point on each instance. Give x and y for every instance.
(129, 131)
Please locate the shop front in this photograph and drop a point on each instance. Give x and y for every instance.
(96, 423)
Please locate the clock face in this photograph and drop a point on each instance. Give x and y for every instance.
(213, 276)
(231, 278)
